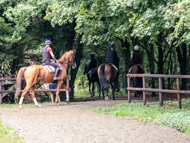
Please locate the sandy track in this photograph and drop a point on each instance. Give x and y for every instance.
(74, 123)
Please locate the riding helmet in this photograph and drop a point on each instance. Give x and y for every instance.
(111, 45)
(92, 55)
(136, 48)
(47, 42)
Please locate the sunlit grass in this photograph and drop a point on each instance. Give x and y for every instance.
(168, 115)
(9, 135)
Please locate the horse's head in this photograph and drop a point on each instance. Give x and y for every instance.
(85, 70)
(68, 58)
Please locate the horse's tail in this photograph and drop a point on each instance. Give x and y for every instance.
(139, 79)
(103, 81)
(18, 80)
(139, 69)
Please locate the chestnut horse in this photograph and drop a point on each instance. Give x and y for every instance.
(136, 81)
(107, 75)
(41, 73)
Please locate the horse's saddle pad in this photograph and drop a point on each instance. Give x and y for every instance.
(50, 68)
(114, 67)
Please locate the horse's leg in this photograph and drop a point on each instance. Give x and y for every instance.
(67, 93)
(26, 89)
(89, 84)
(33, 96)
(106, 94)
(103, 92)
(113, 90)
(99, 89)
(59, 84)
(93, 92)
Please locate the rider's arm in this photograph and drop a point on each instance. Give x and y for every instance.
(131, 58)
(51, 53)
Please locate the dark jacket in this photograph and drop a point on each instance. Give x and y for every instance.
(45, 54)
(111, 57)
(92, 64)
(136, 59)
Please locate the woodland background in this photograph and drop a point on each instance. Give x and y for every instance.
(161, 28)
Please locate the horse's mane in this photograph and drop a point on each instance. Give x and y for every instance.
(63, 59)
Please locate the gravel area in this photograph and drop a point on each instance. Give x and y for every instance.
(74, 123)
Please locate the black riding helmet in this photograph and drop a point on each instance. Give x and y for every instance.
(111, 45)
(92, 55)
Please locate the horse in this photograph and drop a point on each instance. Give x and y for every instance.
(136, 81)
(92, 76)
(108, 75)
(38, 72)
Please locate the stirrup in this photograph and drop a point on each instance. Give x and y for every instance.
(56, 78)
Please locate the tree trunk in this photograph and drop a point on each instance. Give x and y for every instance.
(182, 58)
(126, 56)
(78, 57)
(152, 66)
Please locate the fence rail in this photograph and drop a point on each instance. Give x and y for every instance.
(36, 90)
(160, 90)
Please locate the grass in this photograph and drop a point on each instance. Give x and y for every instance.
(9, 135)
(169, 115)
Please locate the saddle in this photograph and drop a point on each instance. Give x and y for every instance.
(114, 66)
(50, 68)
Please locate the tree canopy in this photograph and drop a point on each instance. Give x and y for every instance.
(160, 28)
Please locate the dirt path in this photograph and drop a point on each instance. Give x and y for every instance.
(74, 123)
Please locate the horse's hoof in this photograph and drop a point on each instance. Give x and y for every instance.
(67, 101)
(39, 105)
(106, 98)
(58, 103)
(20, 107)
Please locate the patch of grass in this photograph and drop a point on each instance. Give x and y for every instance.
(9, 135)
(169, 115)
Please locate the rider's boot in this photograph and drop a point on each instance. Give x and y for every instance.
(56, 74)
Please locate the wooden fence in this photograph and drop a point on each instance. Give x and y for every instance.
(160, 90)
(36, 90)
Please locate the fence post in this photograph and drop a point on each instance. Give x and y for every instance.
(178, 95)
(160, 93)
(129, 93)
(144, 92)
(0, 93)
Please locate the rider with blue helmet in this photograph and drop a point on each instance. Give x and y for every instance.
(47, 53)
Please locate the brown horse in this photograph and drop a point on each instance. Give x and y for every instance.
(41, 73)
(107, 74)
(136, 81)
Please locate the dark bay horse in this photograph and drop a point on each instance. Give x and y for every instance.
(136, 81)
(92, 76)
(41, 73)
(107, 76)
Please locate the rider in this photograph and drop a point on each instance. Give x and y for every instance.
(135, 56)
(47, 53)
(111, 56)
(92, 63)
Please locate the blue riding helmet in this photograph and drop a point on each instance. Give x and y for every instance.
(111, 45)
(47, 42)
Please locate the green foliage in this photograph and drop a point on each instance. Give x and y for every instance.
(169, 115)
(7, 134)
